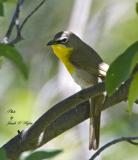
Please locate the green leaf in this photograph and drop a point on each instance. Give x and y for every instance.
(2, 1)
(133, 92)
(40, 155)
(2, 7)
(137, 7)
(11, 1)
(1, 10)
(120, 69)
(3, 154)
(12, 54)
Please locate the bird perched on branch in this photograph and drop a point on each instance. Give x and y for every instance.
(86, 68)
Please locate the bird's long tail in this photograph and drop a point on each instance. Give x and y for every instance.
(95, 116)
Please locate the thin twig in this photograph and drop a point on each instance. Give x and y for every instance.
(30, 14)
(19, 37)
(14, 20)
(131, 142)
(17, 22)
(118, 140)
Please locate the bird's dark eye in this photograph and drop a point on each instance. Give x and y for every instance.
(64, 40)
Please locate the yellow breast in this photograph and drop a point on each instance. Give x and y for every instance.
(64, 54)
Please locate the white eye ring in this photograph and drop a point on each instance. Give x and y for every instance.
(64, 40)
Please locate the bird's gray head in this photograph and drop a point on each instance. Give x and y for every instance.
(65, 38)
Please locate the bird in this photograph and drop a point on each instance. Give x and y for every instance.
(87, 68)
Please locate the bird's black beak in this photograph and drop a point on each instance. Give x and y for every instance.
(50, 43)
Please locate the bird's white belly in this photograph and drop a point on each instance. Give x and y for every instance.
(83, 78)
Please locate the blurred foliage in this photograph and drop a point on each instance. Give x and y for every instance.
(1, 9)
(122, 153)
(137, 8)
(3, 155)
(37, 155)
(40, 155)
(111, 28)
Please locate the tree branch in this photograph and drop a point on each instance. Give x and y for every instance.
(59, 118)
(118, 140)
(31, 13)
(81, 113)
(15, 22)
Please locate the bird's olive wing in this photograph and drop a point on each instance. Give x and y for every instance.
(88, 60)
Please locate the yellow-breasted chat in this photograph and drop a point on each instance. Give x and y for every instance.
(86, 68)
